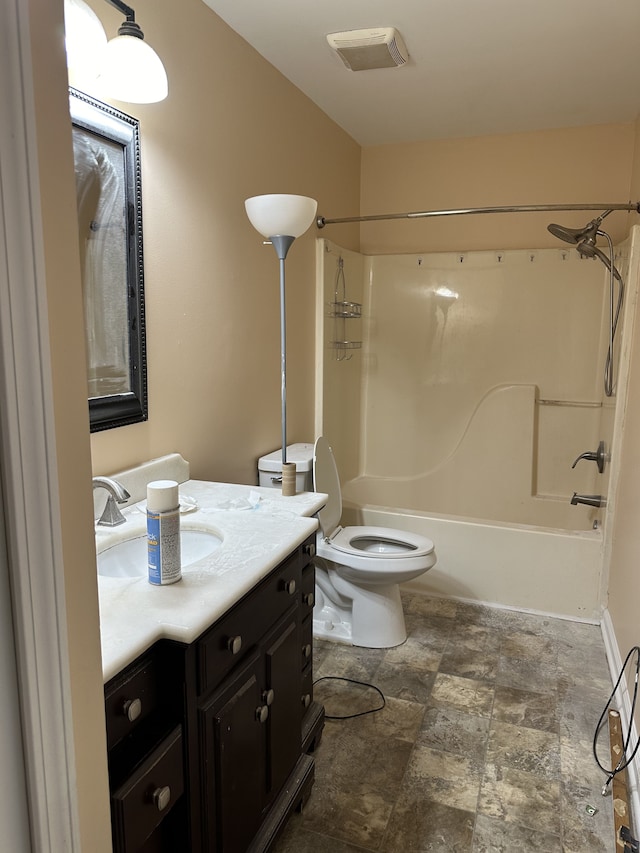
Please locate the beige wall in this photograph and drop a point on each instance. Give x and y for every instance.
(72, 451)
(575, 165)
(231, 127)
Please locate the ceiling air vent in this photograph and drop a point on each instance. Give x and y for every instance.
(362, 50)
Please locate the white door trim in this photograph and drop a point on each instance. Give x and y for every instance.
(27, 458)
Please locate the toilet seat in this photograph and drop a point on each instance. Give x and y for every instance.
(375, 567)
(380, 543)
(361, 546)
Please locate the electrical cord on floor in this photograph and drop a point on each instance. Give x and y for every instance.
(623, 763)
(352, 681)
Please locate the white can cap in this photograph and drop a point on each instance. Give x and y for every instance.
(162, 495)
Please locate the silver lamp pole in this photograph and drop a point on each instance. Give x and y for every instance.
(282, 244)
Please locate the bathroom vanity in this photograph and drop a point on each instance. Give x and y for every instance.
(211, 722)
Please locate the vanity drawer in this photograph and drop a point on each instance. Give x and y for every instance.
(226, 643)
(130, 698)
(149, 794)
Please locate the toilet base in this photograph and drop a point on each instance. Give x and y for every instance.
(330, 627)
(366, 616)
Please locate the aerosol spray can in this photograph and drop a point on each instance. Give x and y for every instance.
(163, 532)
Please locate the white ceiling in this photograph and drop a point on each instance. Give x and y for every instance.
(476, 67)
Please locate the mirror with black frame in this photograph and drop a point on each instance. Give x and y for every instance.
(106, 146)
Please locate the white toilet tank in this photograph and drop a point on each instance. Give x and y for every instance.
(270, 467)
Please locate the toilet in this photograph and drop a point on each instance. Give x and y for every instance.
(359, 569)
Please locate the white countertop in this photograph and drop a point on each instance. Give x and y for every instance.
(259, 528)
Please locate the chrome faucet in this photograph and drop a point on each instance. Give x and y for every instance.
(589, 500)
(111, 515)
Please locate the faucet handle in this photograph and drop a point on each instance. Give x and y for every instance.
(598, 456)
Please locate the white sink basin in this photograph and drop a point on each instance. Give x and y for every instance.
(128, 558)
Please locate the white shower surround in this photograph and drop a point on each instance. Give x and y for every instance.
(529, 566)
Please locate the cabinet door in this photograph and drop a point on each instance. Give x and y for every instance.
(283, 689)
(232, 735)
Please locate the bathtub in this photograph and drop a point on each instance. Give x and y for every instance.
(536, 569)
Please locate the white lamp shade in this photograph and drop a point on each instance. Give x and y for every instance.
(85, 42)
(281, 215)
(133, 72)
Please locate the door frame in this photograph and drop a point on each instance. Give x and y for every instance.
(28, 460)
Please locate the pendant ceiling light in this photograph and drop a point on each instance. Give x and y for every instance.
(131, 70)
(126, 68)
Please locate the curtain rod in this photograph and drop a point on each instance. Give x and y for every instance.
(518, 208)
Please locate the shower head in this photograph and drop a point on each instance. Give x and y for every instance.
(569, 235)
(577, 235)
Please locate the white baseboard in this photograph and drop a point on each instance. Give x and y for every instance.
(622, 702)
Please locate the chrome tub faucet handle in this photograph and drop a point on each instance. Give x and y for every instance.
(598, 456)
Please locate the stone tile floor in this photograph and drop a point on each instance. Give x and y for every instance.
(484, 744)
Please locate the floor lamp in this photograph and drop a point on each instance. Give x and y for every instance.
(282, 218)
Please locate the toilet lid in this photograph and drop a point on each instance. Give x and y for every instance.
(325, 479)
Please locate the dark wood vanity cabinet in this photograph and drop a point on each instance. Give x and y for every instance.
(234, 711)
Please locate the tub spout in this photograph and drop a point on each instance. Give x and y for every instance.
(588, 500)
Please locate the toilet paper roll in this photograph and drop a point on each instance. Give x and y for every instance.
(289, 479)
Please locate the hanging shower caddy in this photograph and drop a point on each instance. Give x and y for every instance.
(341, 309)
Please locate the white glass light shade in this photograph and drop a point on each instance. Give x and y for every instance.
(85, 41)
(286, 215)
(132, 72)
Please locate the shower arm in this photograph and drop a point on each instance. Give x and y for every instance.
(321, 221)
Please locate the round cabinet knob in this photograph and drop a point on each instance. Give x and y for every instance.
(268, 696)
(306, 700)
(309, 599)
(234, 644)
(306, 650)
(161, 797)
(132, 708)
(262, 712)
(290, 587)
(310, 549)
